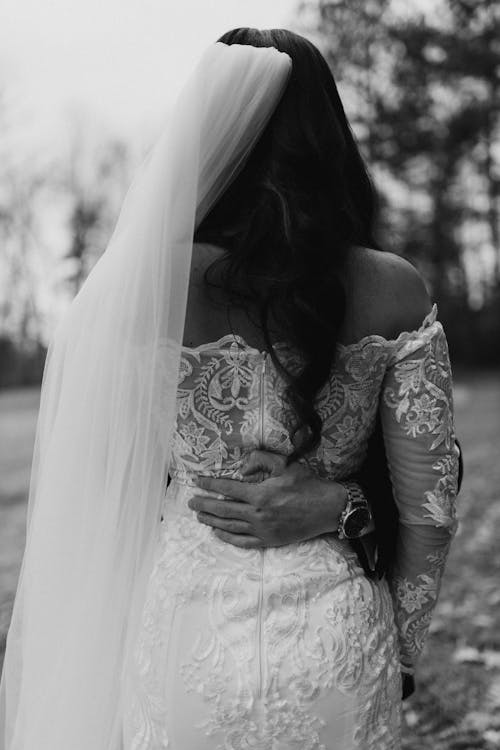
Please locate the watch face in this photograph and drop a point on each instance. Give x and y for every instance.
(356, 521)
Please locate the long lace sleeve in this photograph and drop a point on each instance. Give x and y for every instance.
(417, 421)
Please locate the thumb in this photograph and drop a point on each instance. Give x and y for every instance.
(262, 464)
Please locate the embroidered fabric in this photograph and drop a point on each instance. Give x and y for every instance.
(293, 647)
(417, 420)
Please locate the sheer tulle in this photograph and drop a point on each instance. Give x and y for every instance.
(106, 417)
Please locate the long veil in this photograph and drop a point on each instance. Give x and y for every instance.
(106, 416)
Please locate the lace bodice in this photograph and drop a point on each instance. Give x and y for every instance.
(231, 400)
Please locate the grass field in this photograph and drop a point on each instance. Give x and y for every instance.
(457, 703)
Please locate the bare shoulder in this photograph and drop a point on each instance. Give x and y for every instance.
(388, 289)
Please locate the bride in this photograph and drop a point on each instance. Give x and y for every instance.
(151, 617)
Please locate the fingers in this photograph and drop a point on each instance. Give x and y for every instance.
(230, 487)
(221, 508)
(255, 476)
(247, 541)
(225, 524)
(263, 463)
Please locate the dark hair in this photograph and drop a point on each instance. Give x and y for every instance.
(287, 222)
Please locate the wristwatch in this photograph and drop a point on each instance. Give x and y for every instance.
(356, 519)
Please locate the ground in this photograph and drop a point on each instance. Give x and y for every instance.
(457, 702)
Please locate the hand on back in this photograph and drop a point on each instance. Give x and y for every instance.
(270, 504)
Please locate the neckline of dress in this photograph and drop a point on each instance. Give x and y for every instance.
(218, 344)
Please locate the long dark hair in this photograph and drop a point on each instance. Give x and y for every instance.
(288, 220)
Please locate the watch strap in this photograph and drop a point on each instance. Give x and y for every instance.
(355, 498)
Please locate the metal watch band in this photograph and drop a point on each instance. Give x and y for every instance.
(355, 498)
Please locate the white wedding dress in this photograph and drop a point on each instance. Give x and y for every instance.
(293, 648)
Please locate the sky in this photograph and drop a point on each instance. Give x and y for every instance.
(98, 69)
(109, 65)
(115, 62)
(107, 68)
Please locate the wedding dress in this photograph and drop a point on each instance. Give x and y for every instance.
(236, 649)
(294, 648)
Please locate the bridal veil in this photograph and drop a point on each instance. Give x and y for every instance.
(106, 415)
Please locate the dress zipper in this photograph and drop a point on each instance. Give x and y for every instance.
(261, 404)
(261, 551)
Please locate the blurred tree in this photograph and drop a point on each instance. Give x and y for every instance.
(84, 221)
(22, 187)
(38, 194)
(21, 347)
(422, 92)
(95, 183)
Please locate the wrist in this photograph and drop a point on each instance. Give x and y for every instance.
(334, 498)
(356, 519)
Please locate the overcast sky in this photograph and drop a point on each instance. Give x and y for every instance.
(115, 62)
(119, 60)
(99, 68)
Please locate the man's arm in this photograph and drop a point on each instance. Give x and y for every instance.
(265, 508)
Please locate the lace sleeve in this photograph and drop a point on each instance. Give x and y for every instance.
(417, 421)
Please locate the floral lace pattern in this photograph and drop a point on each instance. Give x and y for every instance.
(293, 647)
(221, 397)
(231, 399)
(417, 417)
(262, 649)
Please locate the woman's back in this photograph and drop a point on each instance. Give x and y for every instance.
(385, 295)
(232, 398)
(293, 646)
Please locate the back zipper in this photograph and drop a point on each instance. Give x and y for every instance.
(261, 551)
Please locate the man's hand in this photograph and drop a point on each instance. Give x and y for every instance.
(272, 505)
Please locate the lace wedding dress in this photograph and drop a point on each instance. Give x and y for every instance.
(293, 647)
